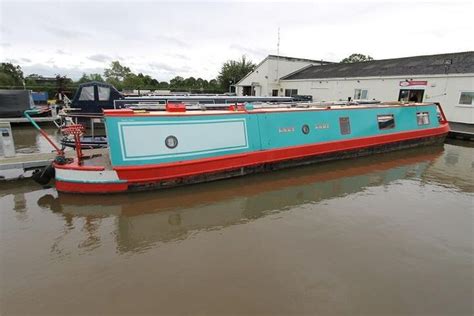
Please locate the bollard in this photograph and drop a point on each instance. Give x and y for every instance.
(6, 140)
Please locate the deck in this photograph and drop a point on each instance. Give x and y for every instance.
(21, 166)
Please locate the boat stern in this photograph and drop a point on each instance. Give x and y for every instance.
(77, 178)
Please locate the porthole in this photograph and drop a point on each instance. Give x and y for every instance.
(305, 129)
(171, 142)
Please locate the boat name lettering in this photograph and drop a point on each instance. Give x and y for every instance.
(322, 126)
(286, 129)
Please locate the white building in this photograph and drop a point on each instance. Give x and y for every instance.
(445, 78)
(264, 80)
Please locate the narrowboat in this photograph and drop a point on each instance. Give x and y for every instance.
(157, 149)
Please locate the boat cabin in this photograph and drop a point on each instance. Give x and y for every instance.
(92, 97)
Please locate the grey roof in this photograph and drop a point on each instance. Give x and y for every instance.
(453, 63)
(320, 61)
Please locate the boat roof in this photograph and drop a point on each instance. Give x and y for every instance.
(264, 109)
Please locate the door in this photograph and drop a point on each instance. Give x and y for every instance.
(247, 90)
(411, 95)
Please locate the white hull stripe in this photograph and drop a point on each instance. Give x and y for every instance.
(83, 176)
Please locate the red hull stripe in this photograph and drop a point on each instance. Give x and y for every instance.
(194, 167)
(78, 187)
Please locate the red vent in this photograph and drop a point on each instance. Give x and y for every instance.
(176, 107)
(237, 107)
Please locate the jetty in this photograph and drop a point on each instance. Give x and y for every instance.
(21, 120)
(21, 166)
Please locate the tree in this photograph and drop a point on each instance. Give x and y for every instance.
(116, 74)
(10, 75)
(356, 58)
(233, 71)
(177, 82)
(90, 77)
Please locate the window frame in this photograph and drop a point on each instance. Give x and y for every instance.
(379, 116)
(345, 129)
(85, 96)
(107, 93)
(361, 93)
(423, 115)
(290, 94)
(471, 93)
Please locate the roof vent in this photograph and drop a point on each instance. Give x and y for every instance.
(176, 107)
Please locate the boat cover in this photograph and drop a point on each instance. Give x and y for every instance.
(92, 97)
(14, 102)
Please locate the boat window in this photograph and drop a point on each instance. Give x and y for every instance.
(104, 93)
(466, 98)
(360, 94)
(345, 125)
(87, 94)
(386, 121)
(305, 129)
(423, 118)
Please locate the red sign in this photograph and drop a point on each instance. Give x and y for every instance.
(413, 83)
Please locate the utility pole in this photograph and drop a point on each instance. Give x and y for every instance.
(278, 56)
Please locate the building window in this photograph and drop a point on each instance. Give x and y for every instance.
(360, 94)
(423, 118)
(466, 98)
(345, 125)
(87, 94)
(291, 92)
(274, 92)
(386, 121)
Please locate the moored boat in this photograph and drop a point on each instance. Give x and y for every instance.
(175, 147)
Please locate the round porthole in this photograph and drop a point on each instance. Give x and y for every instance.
(171, 142)
(305, 129)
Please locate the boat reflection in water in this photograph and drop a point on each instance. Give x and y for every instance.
(144, 219)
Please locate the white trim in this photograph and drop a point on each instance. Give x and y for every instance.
(174, 153)
(104, 176)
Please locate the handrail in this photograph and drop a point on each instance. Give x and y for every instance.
(42, 132)
(443, 116)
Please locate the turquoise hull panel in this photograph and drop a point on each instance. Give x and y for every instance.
(142, 140)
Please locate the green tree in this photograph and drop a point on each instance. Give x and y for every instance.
(90, 77)
(177, 82)
(116, 74)
(233, 71)
(31, 79)
(10, 75)
(163, 85)
(356, 58)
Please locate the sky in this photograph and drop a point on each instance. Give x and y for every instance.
(194, 38)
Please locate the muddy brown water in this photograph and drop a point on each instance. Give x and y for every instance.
(388, 234)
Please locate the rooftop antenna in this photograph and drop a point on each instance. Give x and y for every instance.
(278, 55)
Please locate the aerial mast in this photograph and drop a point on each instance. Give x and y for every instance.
(278, 56)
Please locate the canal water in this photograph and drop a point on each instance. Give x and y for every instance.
(390, 234)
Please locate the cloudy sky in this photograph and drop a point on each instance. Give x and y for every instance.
(165, 39)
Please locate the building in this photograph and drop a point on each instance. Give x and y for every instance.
(264, 80)
(444, 78)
